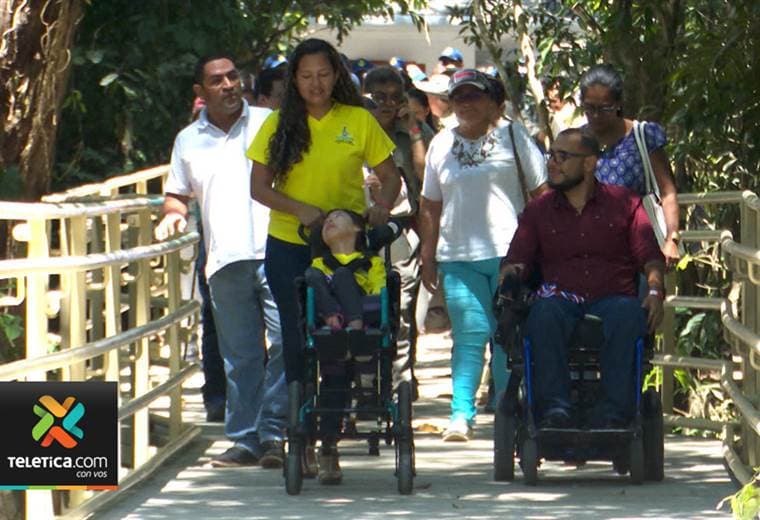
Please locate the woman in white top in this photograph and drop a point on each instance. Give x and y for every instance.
(471, 197)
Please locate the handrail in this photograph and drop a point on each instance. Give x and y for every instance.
(114, 183)
(15, 369)
(62, 264)
(45, 210)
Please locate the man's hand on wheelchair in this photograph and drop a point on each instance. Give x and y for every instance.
(654, 307)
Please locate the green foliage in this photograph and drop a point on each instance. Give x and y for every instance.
(745, 503)
(130, 89)
(11, 183)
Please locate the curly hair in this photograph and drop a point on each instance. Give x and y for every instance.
(292, 138)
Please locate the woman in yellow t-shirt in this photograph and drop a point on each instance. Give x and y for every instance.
(307, 159)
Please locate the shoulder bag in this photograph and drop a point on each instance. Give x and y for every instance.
(520, 173)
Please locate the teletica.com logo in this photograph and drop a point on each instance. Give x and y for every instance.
(46, 431)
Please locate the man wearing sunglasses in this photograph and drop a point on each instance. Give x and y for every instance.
(589, 240)
(411, 137)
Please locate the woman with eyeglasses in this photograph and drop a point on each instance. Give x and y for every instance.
(620, 162)
(307, 159)
(471, 196)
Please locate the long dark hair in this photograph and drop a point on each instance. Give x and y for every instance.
(292, 138)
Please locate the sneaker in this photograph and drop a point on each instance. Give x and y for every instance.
(459, 430)
(235, 457)
(273, 456)
(329, 468)
(309, 465)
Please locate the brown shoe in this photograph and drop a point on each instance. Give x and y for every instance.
(329, 468)
(273, 456)
(309, 464)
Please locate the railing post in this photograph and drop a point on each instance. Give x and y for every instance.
(668, 346)
(750, 300)
(74, 304)
(141, 363)
(112, 293)
(38, 503)
(174, 301)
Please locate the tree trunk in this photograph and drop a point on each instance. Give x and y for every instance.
(37, 36)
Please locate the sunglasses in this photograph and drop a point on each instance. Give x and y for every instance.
(381, 98)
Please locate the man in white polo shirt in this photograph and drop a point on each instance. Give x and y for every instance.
(209, 163)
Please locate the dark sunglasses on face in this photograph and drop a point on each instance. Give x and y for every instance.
(598, 110)
(382, 98)
(464, 97)
(560, 156)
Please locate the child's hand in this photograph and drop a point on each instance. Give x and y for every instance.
(334, 321)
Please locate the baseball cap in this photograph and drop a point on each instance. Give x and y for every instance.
(274, 60)
(468, 77)
(437, 84)
(451, 53)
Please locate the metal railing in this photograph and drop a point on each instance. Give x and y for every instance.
(739, 374)
(101, 301)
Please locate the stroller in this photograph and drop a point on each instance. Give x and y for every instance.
(368, 355)
(636, 448)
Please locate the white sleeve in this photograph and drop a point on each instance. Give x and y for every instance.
(431, 186)
(178, 180)
(532, 160)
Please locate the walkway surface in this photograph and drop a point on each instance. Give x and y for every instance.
(453, 480)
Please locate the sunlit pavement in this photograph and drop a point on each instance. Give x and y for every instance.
(453, 480)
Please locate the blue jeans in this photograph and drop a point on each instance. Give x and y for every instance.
(214, 380)
(284, 263)
(256, 396)
(549, 326)
(468, 289)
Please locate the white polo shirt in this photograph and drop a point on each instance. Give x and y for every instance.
(211, 166)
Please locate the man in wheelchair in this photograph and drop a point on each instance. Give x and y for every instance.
(589, 241)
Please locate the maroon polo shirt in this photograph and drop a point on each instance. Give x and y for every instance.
(595, 253)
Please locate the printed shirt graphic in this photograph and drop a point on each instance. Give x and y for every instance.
(330, 173)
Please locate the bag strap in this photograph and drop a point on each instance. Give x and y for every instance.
(361, 263)
(520, 173)
(650, 182)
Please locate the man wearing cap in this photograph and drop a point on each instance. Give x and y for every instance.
(589, 240)
(471, 197)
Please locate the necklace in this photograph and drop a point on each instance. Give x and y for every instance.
(472, 152)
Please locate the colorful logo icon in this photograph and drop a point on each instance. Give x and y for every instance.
(46, 430)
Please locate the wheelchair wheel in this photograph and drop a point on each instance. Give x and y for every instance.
(654, 436)
(529, 461)
(404, 440)
(504, 445)
(293, 468)
(637, 459)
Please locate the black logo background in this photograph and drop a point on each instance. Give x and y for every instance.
(99, 424)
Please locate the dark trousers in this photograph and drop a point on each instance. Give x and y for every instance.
(283, 264)
(215, 382)
(549, 326)
(340, 294)
(406, 337)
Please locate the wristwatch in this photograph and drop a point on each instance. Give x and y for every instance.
(675, 236)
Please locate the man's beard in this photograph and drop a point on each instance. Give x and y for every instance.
(567, 184)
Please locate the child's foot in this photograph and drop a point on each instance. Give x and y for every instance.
(329, 466)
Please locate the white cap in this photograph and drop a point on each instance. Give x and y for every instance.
(437, 84)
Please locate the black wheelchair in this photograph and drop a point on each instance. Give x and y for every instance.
(636, 448)
(372, 410)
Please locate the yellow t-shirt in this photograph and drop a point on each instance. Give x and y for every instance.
(330, 173)
(371, 281)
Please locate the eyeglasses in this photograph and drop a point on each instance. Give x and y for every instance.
(473, 95)
(382, 98)
(560, 156)
(598, 110)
